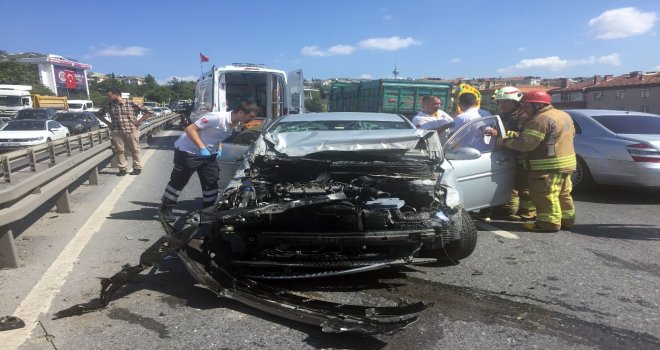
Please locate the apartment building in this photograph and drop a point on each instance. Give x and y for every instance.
(636, 91)
(572, 93)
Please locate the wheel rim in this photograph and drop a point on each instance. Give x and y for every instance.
(577, 175)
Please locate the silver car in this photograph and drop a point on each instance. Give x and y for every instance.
(616, 148)
(344, 192)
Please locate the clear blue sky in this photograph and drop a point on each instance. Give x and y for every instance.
(340, 38)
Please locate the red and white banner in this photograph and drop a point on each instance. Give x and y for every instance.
(70, 79)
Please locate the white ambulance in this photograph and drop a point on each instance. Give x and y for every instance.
(274, 91)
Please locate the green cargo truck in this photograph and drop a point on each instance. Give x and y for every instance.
(387, 96)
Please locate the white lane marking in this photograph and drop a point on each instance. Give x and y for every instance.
(495, 230)
(40, 298)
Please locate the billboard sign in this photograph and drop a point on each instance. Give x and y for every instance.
(70, 80)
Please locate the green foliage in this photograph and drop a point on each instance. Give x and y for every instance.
(315, 103)
(16, 73)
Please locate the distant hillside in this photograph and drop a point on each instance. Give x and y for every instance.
(4, 55)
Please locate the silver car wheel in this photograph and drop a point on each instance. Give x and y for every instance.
(578, 175)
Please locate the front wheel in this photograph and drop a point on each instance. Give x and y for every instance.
(460, 248)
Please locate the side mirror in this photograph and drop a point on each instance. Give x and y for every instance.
(462, 153)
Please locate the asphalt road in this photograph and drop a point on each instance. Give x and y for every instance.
(596, 287)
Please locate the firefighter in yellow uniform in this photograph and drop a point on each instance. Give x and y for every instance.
(547, 143)
(520, 205)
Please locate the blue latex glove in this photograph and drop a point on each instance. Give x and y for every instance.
(204, 153)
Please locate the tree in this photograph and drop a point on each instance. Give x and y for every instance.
(315, 103)
(18, 73)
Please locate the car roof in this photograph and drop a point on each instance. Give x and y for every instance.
(38, 109)
(30, 120)
(342, 116)
(597, 112)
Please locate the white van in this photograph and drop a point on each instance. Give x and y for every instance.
(81, 106)
(274, 91)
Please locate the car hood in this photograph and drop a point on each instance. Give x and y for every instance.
(653, 139)
(17, 134)
(301, 144)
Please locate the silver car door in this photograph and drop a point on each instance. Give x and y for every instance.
(488, 180)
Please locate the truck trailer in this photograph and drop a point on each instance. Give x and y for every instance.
(58, 103)
(387, 96)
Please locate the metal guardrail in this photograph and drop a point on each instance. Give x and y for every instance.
(33, 176)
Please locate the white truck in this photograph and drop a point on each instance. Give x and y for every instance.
(13, 98)
(82, 106)
(274, 91)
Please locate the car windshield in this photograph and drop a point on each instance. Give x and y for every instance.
(25, 125)
(10, 100)
(630, 124)
(31, 114)
(70, 117)
(338, 125)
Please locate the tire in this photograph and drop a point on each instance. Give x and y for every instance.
(461, 248)
(581, 178)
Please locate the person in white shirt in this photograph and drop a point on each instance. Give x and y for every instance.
(197, 150)
(468, 103)
(431, 117)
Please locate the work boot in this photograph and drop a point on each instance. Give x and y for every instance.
(165, 212)
(567, 224)
(122, 172)
(526, 216)
(136, 171)
(505, 217)
(534, 227)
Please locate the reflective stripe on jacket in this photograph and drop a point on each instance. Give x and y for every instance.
(547, 139)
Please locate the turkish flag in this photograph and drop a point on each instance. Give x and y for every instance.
(70, 79)
(203, 58)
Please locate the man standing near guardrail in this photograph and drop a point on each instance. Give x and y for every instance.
(124, 127)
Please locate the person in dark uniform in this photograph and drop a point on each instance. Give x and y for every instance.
(197, 151)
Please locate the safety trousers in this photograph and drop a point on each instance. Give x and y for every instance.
(520, 201)
(551, 194)
(185, 164)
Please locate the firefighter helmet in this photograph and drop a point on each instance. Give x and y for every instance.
(536, 96)
(507, 93)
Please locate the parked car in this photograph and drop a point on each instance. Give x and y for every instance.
(157, 112)
(78, 122)
(35, 113)
(25, 133)
(345, 192)
(616, 148)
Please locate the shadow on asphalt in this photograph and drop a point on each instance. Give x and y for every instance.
(179, 289)
(619, 195)
(618, 231)
(149, 210)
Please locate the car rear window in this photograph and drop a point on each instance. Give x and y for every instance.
(69, 116)
(339, 125)
(25, 125)
(630, 124)
(29, 114)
